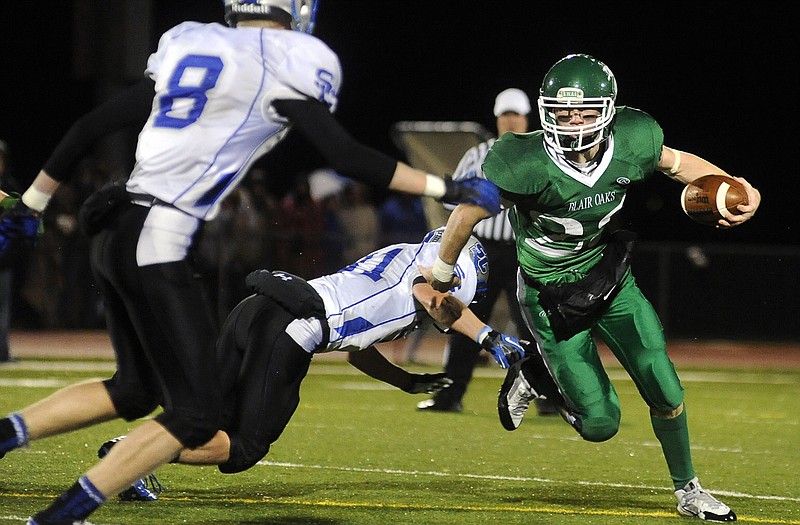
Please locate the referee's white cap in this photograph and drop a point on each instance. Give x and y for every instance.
(512, 99)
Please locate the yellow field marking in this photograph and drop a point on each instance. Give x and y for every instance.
(541, 509)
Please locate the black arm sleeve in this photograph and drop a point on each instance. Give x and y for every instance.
(344, 154)
(131, 106)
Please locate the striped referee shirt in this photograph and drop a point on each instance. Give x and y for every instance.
(496, 228)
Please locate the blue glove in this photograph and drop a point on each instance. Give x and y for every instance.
(472, 190)
(18, 222)
(505, 349)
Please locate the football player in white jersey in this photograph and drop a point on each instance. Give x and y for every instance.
(269, 339)
(213, 100)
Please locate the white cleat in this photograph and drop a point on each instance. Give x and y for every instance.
(696, 502)
(515, 397)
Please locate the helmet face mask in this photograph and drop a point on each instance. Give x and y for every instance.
(577, 82)
(301, 14)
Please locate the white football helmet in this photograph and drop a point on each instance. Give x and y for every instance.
(577, 82)
(473, 263)
(301, 14)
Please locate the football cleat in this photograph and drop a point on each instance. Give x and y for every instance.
(145, 489)
(514, 398)
(696, 502)
(105, 447)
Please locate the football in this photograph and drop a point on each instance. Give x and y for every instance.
(711, 198)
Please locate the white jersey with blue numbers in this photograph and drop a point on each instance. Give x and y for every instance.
(212, 115)
(371, 300)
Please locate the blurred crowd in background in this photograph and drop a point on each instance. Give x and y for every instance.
(323, 223)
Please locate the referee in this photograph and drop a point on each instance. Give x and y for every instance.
(511, 108)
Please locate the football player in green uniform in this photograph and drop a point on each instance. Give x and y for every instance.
(565, 185)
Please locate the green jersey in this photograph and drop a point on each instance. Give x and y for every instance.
(559, 211)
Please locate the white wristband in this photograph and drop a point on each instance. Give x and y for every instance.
(483, 334)
(35, 199)
(434, 187)
(441, 271)
(677, 163)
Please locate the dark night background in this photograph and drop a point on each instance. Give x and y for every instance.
(716, 77)
(719, 78)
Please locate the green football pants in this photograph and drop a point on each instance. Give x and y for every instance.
(634, 334)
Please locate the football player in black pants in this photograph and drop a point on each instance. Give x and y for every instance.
(268, 341)
(212, 100)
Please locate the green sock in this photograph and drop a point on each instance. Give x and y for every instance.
(674, 437)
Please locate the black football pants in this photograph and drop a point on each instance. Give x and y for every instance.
(163, 332)
(262, 369)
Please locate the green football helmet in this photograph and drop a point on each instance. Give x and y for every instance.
(577, 82)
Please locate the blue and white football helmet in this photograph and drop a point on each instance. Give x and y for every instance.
(302, 13)
(471, 260)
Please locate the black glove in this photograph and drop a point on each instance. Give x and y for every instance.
(428, 383)
(472, 190)
(18, 223)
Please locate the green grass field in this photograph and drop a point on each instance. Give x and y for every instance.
(357, 452)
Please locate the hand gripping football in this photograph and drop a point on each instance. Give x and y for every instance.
(711, 198)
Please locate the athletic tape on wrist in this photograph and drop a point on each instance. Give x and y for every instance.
(35, 199)
(483, 334)
(434, 186)
(677, 163)
(442, 271)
